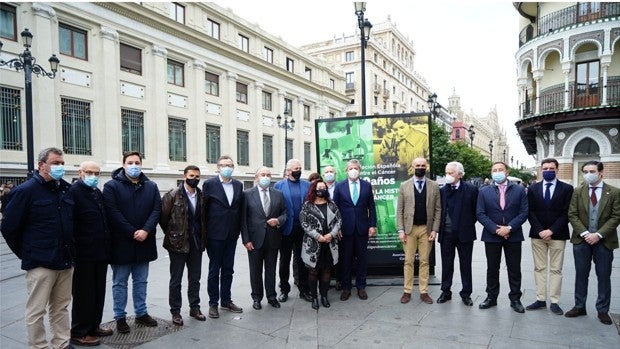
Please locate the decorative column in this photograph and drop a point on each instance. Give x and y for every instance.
(605, 67)
(196, 132)
(537, 75)
(229, 113)
(256, 120)
(108, 114)
(156, 123)
(566, 70)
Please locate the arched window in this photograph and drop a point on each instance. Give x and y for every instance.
(587, 146)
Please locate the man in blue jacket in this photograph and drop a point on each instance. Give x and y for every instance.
(38, 227)
(133, 205)
(501, 209)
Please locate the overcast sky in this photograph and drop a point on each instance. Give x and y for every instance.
(463, 46)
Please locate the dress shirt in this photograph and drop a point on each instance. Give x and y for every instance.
(228, 189)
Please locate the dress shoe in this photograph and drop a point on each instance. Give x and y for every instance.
(283, 297)
(487, 303)
(362, 294)
(256, 305)
(537, 305)
(467, 301)
(555, 308)
(177, 319)
(604, 318)
(232, 307)
(517, 306)
(325, 302)
(213, 313)
(315, 303)
(102, 332)
(338, 286)
(576, 312)
(345, 295)
(274, 303)
(146, 320)
(306, 296)
(197, 314)
(426, 298)
(88, 341)
(444, 297)
(405, 298)
(121, 326)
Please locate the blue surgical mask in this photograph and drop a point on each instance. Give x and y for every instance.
(226, 171)
(57, 171)
(264, 182)
(91, 181)
(548, 175)
(330, 176)
(133, 171)
(498, 177)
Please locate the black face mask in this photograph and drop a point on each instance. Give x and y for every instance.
(192, 182)
(296, 174)
(420, 172)
(321, 193)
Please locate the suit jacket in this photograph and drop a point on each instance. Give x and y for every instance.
(255, 228)
(360, 216)
(223, 219)
(554, 217)
(406, 206)
(465, 209)
(284, 187)
(490, 214)
(608, 214)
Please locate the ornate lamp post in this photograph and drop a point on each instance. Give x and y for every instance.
(288, 124)
(433, 106)
(472, 133)
(365, 26)
(491, 149)
(504, 158)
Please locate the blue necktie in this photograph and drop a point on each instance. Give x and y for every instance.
(548, 194)
(356, 194)
(420, 185)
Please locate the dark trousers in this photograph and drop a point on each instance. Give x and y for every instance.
(291, 244)
(449, 247)
(264, 257)
(221, 268)
(603, 257)
(178, 261)
(512, 253)
(353, 250)
(88, 297)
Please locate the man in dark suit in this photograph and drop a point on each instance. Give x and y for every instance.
(457, 231)
(356, 202)
(502, 209)
(223, 199)
(594, 213)
(263, 214)
(548, 202)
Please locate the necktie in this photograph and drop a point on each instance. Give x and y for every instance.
(502, 196)
(420, 185)
(265, 201)
(355, 195)
(548, 194)
(593, 198)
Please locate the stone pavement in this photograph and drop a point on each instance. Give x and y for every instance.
(380, 321)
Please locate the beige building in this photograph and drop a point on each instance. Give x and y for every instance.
(183, 83)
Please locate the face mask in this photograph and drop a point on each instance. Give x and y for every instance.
(192, 182)
(498, 177)
(450, 179)
(226, 171)
(57, 171)
(91, 181)
(321, 193)
(264, 182)
(353, 174)
(133, 171)
(329, 177)
(548, 175)
(590, 178)
(296, 174)
(420, 172)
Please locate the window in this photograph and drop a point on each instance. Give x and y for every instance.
(133, 130)
(306, 112)
(10, 119)
(176, 73)
(587, 83)
(332, 84)
(350, 78)
(213, 144)
(242, 93)
(268, 53)
(349, 56)
(308, 73)
(266, 100)
(244, 43)
(177, 149)
(289, 149)
(8, 22)
(212, 84)
(131, 59)
(288, 106)
(75, 126)
(243, 148)
(331, 115)
(307, 156)
(213, 29)
(268, 150)
(290, 65)
(72, 41)
(177, 12)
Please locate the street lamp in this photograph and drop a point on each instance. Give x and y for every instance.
(472, 133)
(504, 158)
(28, 64)
(511, 160)
(288, 125)
(364, 25)
(433, 106)
(491, 149)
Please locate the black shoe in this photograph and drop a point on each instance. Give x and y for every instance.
(487, 303)
(315, 303)
(555, 308)
(325, 302)
(517, 306)
(306, 295)
(146, 320)
(283, 297)
(537, 305)
(256, 305)
(467, 301)
(444, 297)
(274, 303)
(122, 326)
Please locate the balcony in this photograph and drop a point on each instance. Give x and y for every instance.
(349, 87)
(376, 89)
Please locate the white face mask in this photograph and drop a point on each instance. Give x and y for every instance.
(590, 178)
(450, 179)
(353, 174)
